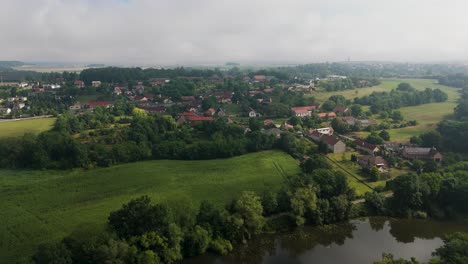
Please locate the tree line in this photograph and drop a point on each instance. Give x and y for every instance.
(403, 95)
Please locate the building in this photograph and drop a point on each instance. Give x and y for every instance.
(253, 113)
(370, 161)
(349, 120)
(334, 144)
(325, 115)
(96, 84)
(341, 110)
(302, 111)
(79, 84)
(422, 154)
(323, 130)
(365, 147)
(368, 122)
(92, 105)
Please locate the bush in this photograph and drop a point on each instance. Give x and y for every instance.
(220, 246)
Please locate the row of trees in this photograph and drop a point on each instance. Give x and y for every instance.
(403, 95)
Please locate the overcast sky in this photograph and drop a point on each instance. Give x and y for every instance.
(248, 31)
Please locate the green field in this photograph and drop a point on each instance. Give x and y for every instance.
(41, 206)
(19, 128)
(427, 115)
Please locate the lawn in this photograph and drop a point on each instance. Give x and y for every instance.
(19, 128)
(427, 115)
(42, 206)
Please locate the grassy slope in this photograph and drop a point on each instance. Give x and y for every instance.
(427, 115)
(40, 206)
(19, 128)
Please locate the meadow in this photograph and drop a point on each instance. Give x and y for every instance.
(45, 206)
(427, 115)
(19, 128)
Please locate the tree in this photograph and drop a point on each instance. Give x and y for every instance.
(454, 250)
(408, 193)
(431, 139)
(269, 202)
(384, 135)
(295, 121)
(138, 217)
(56, 253)
(196, 242)
(315, 162)
(406, 87)
(248, 211)
(339, 126)
(374, 174)
(374, 138)
(375, 202)
(397, 116)
(255, 124)
(389, 259)
(328, 105)
(304, 205)
(356, 110)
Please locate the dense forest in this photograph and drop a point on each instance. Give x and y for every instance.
(455, 80)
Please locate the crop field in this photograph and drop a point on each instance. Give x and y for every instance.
(19, 128)
(43, 206)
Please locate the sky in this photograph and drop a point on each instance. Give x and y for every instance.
(163, 32)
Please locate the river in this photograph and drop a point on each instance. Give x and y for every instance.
(354, 242)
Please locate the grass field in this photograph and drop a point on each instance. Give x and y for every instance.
(19, 128)
(41, 206)
(427, 115)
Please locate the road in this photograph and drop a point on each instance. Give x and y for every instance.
(26, 118)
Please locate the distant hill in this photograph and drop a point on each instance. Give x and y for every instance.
(11, 64)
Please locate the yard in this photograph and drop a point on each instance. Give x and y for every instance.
(19, 128)
(356, 179)
(44, 206)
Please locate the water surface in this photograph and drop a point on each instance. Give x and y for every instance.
(354, 242)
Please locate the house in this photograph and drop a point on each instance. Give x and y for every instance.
(370, 161)
(221, 112)
(79, 84)
(253, 113)
(96, 84)
(363, 146)
(267, 122)
(325, 115)
(268, 90)
(422, 154)
(75, 107)
(118, 90)
(92, 105)
(187, 98)
(256, 92)
(193, 120)
(273, 131)
(334, 144)
(368, 122)
(210, 112)
(260, 78)
(341, 110)
(302, 111)
(324, 130)
(159, 81)
(140, 99)
(349, 120)
(154, 109)
(5, 111)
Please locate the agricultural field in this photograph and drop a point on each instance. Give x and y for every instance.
(19, 128)
(427, 115)
(43, 206)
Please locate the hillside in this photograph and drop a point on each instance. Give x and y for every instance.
(41, 206)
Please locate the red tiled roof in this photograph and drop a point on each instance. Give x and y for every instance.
(364, 144)
(199, 118)
(100, 103)
(188, 114)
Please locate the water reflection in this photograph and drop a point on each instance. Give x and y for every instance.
(356, 241)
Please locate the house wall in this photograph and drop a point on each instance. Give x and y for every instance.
(339, 147)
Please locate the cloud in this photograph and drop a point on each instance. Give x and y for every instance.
(215, 31)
